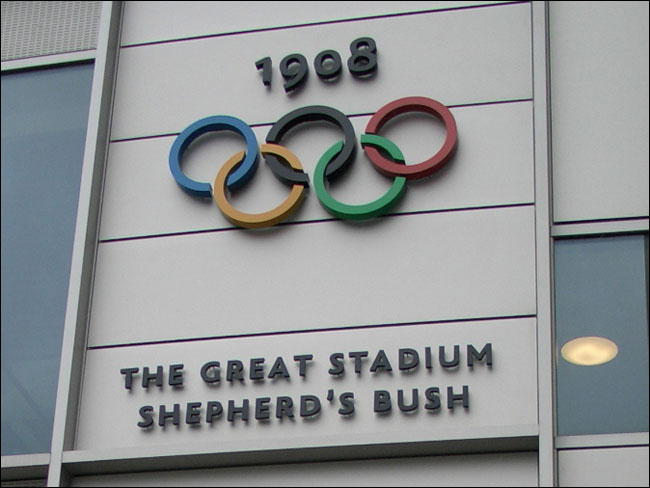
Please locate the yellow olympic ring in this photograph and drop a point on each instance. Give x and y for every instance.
(265, 219)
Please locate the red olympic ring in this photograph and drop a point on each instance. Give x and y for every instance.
(413, 104)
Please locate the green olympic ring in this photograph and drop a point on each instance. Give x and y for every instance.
(367, 210)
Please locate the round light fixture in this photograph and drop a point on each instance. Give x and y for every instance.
(589, 351)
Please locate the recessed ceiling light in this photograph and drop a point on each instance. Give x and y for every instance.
(589, 351)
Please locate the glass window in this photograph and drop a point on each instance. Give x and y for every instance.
(601, 292)
(44, 117)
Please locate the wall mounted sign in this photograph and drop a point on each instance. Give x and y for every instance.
(375, 385)
(255, 370)
(241, 167)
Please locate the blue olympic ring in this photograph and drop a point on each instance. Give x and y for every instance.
(213, 124)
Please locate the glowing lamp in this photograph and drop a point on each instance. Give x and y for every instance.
(589, 351)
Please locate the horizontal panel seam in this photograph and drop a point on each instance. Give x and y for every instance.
(308, 331)
(313, 24)
(601, 446)
(604, 220)
(103, 455)
(370, 114)
(315, 221)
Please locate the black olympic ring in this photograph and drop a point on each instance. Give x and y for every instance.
(312, 113)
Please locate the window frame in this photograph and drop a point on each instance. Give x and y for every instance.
(593, 229)
(49, 465)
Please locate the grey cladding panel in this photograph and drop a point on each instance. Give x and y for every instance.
(31, 29)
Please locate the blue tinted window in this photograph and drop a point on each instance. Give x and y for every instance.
(601, 290)
(44, 117)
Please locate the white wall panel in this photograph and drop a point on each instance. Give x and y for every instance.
(603, 467)
(492, 166)
(507, 469)
(456, 57)
(450, 265)
(502, 398)
(160, 21)
(599, 84)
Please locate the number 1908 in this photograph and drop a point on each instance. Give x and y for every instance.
(328, 66)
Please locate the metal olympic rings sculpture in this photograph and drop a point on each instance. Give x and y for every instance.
(242, 166)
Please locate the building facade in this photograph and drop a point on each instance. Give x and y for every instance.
(322, 242)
